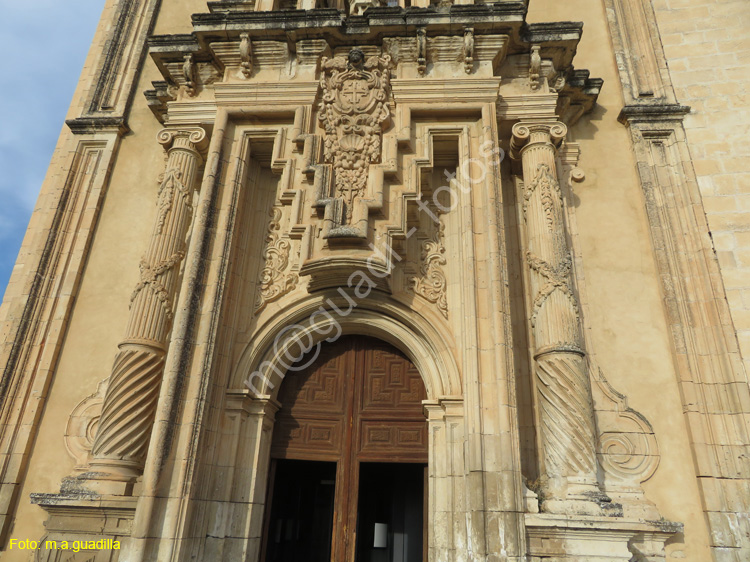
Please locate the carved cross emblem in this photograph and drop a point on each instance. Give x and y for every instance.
(353, 91)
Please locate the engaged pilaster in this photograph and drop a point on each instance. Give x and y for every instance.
(563, 389)
(122, 438)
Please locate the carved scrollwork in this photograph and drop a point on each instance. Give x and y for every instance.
(421, 50)
(188, 72)
(274, 280)
(432, 284)
(535, 67)
(628, 450)
(353, 111)
(246, 55)
(82, 424)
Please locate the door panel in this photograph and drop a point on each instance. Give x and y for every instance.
(359, 402)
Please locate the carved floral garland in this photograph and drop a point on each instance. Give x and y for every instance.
(172, 180)
(549, 189)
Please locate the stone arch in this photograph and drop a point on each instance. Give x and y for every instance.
(316, 319)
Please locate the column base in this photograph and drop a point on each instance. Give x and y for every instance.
(104, 477)
(566, 538)
(97, 526)
(576, 496)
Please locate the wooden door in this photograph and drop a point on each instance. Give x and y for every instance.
(360, 401)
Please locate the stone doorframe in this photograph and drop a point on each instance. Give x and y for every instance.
(252, 414)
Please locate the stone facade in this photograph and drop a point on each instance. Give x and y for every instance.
(558, 251)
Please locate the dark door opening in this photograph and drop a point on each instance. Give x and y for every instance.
(390, 513)
(351, 422)
(301, 522)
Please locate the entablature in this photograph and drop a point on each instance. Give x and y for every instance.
(462, 45)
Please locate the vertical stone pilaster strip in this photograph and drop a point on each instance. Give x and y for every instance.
(124, 430)
(563, 388)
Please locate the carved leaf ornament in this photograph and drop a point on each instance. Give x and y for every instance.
(274, 281)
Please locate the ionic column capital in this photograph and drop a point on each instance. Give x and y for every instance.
(190, 138)
(529, 133)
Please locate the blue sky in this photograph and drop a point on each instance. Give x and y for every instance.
(44, 45)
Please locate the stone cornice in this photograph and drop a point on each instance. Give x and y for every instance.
(90, 125)
(215, 43)
(638, 112)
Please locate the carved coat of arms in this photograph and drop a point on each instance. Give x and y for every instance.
(353, 112)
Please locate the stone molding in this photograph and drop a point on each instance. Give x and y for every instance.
(41, 295)
(710, 373)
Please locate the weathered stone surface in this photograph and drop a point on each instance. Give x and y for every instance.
(342, 170)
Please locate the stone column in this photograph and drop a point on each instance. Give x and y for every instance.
(122, 438)
(563, 389)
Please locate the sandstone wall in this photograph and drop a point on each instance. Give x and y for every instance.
(707, 45)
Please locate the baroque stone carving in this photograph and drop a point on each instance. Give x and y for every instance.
(353, 111)
(188, 72)
(171, 181)
(567, 424)
(274, 280)
(432, 283)
(151, 275)
(421, 50)
(627, 450)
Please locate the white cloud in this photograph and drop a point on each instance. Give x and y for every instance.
(44, 44)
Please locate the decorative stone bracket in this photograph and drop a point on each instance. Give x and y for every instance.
(627, 450)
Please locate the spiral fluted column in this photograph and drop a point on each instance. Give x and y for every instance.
(563, 388)
(122, 438)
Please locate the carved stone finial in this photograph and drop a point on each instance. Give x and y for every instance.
(188, 72)
(246, 55)
(421, 50)
(468, 49)
(535, 67)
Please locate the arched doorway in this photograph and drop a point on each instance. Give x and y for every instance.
(348, 459)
